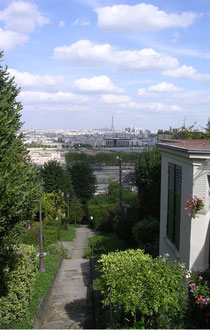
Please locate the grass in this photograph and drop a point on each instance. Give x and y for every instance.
(41, 286)
(68, 234)
(104, 243)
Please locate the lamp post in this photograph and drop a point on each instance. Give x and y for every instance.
(41, 254)
(75, 221)
(120, 180)
(68, 195)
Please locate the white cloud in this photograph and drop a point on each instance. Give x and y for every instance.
(141, 17)
(157, 90)
(31, 97)
(84, 53)
(19, 18)
(27, 80)
(22, 17)
(97, 84)
(186, 72)
(82, 22)
(154, 107)
(110, 98)
(10, 39)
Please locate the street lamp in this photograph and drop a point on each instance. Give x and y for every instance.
(120, 180)
(68, 195)
(41, 254)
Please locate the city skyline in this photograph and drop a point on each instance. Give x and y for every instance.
(81, 62)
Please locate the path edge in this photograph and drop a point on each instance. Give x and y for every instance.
(44, 300)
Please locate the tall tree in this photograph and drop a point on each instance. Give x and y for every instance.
(19, 187)
(83, 181)
(148, 175)
(55, 177)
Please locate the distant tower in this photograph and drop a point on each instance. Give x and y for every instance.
(112, 128)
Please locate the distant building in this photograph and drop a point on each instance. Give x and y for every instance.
(116, 142)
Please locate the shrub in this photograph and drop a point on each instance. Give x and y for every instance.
(103, 244)
(151, 292)
(57, 249)
(19, 283)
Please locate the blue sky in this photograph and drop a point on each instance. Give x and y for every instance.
(80, 62)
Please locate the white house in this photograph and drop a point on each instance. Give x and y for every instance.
(185, 171)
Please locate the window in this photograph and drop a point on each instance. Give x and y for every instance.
(174, 203)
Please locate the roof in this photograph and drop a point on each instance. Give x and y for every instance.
(130, 178)
(200, 146)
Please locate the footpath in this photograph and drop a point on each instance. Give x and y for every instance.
(70, 303)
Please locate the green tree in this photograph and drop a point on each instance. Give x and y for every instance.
(76, 212)
(19, 187)
(55, 177)
(113, 191)
(148, 175)
(83, 181)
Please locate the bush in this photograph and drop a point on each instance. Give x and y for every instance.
(103, 244)
(150, 292)
(50, 234)
(102, 219)
(57, 249)
(146, 233)
(19, 284)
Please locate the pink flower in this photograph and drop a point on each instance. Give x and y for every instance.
(206, 321)
(203, 197)
(197, 216)
(186, 208)
(189, 214)
(200, 278)
(197, 302)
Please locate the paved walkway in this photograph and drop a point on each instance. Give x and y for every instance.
(69, 306)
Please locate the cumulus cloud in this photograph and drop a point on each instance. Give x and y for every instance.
(84, 53)
(186, 72)
(154, 107)
(97, 84)
(158, 90)
(10, 39)
(81, 22)
(141, 17)
(110, 98)
(27, 80)
(31, 97)
(19, 18)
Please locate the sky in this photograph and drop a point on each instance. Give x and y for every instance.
(80, 62)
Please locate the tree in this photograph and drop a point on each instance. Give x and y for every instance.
(19, 187)
(148, 175)
(83, 181)
(55, 177)
(113, 191)
(76, 212)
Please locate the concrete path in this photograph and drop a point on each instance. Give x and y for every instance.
(70, 305)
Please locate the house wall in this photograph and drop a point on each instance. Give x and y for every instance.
(166, 246)
(194, 233)
(199, 253)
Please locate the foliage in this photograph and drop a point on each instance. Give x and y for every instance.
(146, 233)
(19, 187)
(101, 216)
(55, 178)
(151, 292)
(193, 205)
(192, 133)
(103, 244)
(53, 206)
(76, 211)
(106, 158)
(19, 284)
(39, 289)
(56, 248)
(83, 181)
(199, 299)
(50, 235)
(113, 191)
(68, 234)
(146, 230)
(34, 144)
(148, 177)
